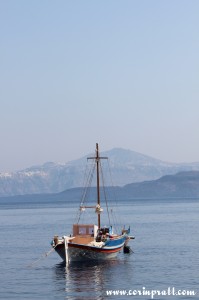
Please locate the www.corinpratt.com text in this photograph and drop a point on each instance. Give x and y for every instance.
(170, 291)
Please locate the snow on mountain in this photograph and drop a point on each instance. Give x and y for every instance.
(126, 167)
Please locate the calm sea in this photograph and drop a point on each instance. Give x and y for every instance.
(166, 253)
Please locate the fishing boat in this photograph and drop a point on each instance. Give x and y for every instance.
(90, 241)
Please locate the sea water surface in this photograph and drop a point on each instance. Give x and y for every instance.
(165, 253)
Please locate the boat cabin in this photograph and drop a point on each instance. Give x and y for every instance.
(85, 229)
(84, 233)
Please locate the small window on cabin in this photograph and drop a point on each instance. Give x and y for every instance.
(82, 230)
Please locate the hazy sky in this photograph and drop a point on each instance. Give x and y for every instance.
(124, 73)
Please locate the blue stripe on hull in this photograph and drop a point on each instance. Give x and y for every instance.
(115, 242)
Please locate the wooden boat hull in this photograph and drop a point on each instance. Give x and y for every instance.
(80, 252)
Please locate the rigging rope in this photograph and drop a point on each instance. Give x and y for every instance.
(115, 198)
(102, 176)
(86, 190)
(88, 178)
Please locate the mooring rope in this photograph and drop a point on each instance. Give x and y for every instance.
(42, 256)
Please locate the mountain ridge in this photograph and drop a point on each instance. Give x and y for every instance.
(183, 185)
(126, 166)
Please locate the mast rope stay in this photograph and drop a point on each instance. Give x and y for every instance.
(105, 197)
(85, 191)
(115, 219)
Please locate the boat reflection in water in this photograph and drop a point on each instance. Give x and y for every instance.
(88, 280)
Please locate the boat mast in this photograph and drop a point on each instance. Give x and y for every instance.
(98, 182)
(97, 160)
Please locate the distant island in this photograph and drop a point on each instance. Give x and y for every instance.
(180, 185)
(133, 173)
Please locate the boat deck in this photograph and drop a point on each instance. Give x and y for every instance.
(82, 239)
